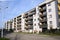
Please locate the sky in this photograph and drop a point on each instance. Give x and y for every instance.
(12, 8)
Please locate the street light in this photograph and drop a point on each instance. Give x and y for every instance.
(2, 23)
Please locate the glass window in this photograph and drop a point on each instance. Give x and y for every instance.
(49, 4)
(34, 19)
(50, 22)
(49, 10)
(50, 16)
(38, 19)
(39, 24)
(35, 24)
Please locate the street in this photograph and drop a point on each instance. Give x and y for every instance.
(20, 36)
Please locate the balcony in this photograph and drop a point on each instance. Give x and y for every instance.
(26, 27)
(30, 23)
(41, 14)
(19, 18)
(19, 22)
(19, 25)
(44, 13)
(26, 19)
(43, 20)
(30, 26)
(43, 26)
(25, 15)
(26, 23)
(30, 18)
(59, 13)
(18, 28)
(31, 13)
(42, 9)
(59, 19)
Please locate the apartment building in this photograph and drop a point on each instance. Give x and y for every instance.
(43, 17)
(9, 25)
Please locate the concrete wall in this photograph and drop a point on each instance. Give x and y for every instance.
(53, 12)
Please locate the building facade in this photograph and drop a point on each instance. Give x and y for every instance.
(43, 17)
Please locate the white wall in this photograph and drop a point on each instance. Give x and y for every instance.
(36, 16)
(13, 24)
(54, 14)
(22, 23)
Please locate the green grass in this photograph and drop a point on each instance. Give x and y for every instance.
(43, 33)
(25, 33)
(50, 34)
(4, 39)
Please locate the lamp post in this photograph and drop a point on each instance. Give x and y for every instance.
(2, 21)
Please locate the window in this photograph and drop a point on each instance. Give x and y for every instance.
(39, 24)
(38, 19)
(49, 10)
(50, 16)
(50, 22)
(34, 24)
(49, 4)
(34, 19)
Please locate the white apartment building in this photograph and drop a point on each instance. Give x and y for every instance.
(43, 17)
(9, 25)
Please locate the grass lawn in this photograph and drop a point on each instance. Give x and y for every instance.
(4, 39)
(50, 34)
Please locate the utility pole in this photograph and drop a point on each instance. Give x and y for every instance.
(2, 22)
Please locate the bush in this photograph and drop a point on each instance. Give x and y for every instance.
(52, 32)
(4, 39)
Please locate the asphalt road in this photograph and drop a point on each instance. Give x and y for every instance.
(19, 36)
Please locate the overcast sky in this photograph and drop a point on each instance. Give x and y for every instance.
(12, 8)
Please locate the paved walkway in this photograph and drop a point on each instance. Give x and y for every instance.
(17, 36)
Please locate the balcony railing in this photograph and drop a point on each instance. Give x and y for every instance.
(30, 18)
(18, 22)
(30, 27)
(18, 18)
(43, 20)
(26, 23)
(44, 8)
(18, 25)
(43, 26)
(41, 14)
(30, 22)
(44, 13)
(59, 19)
(26, 15)
(31, 13)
